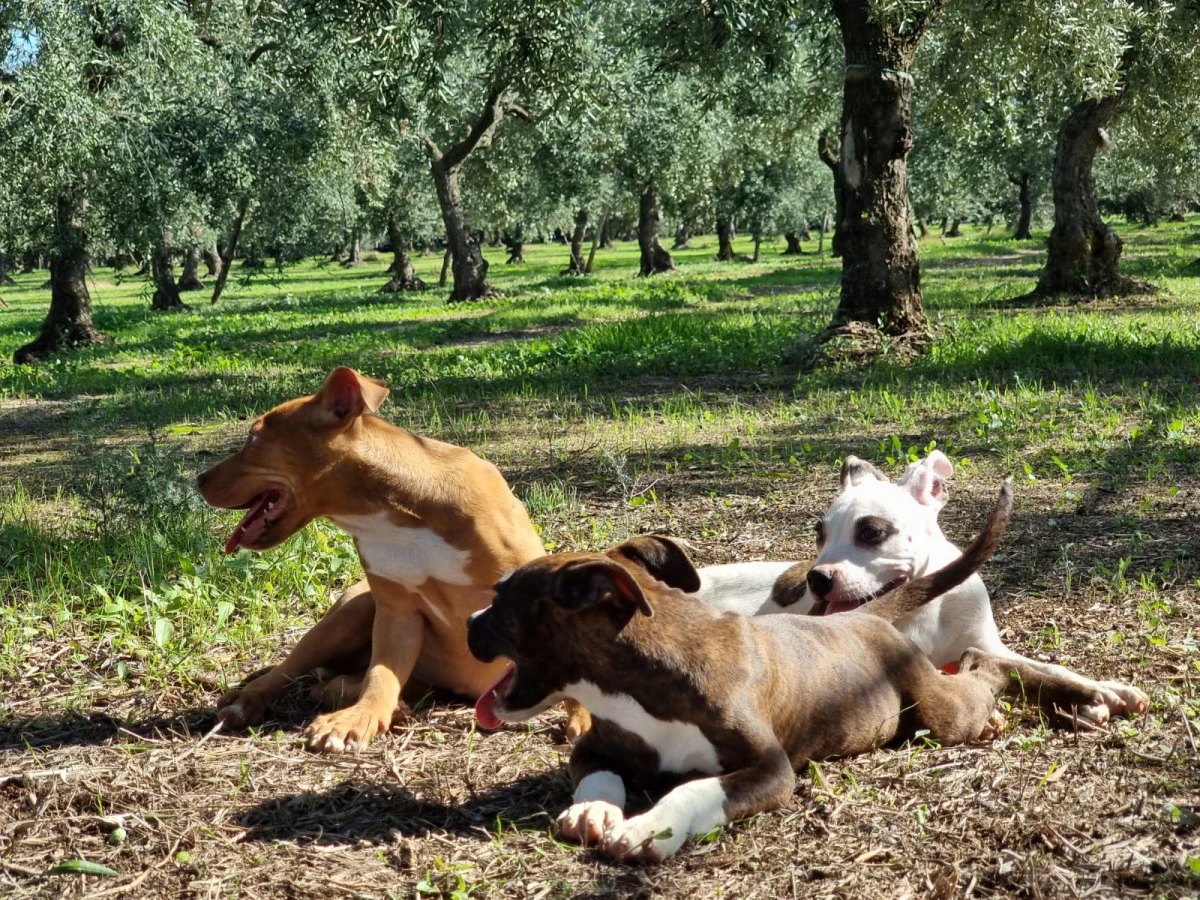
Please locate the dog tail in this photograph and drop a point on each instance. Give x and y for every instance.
(904, 600)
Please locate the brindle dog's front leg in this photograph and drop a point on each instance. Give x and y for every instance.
(599, 804)
(697, 807)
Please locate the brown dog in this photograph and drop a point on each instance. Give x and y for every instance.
(435, 527)
(676, 688)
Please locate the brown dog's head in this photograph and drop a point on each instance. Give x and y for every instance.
(277, 476)
(551, 616)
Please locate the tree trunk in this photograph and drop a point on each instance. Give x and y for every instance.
(881, 271)
(212, 261)
(466, 257)
(829, 150)
(655, 259)
(404, 276)
(190, 279)
(793, 244)
(1084, 253)
(725, 240)
(162, 265)
(5, 279)
(231, 246)
(606, 240)
(922, 227)
(514, 242)
(955, 231)
(577, 266)
(597, 236)
(1023, 231)
(683, 234)
(824, 231)
(446, 257)
(757, 244)
(69, 321)
(354, 257)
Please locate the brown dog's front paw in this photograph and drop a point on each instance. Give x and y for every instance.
(241, 708)
(1126, 700)
(346, 730)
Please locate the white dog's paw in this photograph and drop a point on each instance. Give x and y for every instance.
(586, 823)
(650, 837)
(1125, 699)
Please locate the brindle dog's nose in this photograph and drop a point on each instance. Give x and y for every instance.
(820, 581)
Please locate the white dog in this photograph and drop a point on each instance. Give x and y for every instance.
(876, 536)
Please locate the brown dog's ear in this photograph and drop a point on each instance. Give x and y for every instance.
(855, 470)
(663, 558)
(588, 582)
(345, 396)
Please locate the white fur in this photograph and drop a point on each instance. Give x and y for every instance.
(744, 588)
(599, 806)
(681, 746)
(946, 626)
(407, 556)
(693, 808)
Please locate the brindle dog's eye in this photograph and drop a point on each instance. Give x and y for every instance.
(819, 531)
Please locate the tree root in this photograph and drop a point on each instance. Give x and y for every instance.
(855, 343)
(401, 285)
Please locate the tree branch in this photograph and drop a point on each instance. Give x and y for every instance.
(434, 150)
(481, 132)
(263, 48)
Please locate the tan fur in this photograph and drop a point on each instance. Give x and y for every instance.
(335, 459)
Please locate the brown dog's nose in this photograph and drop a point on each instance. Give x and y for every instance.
(820, 581)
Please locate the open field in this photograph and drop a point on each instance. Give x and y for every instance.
(615, 406)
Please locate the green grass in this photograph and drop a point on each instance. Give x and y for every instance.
(105, 541)
(614, 405)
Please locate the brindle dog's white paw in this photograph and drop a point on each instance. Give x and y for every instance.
(650, 837)
(587, 823)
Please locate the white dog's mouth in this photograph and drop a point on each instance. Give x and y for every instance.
(845, 604)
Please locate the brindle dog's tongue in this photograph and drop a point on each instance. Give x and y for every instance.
(485, 706)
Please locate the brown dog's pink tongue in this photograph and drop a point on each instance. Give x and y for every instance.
(251, 519)
(485, 706)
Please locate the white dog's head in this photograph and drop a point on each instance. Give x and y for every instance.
(877, 535)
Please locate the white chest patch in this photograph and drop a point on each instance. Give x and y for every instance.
(407, 556)
(681, 746)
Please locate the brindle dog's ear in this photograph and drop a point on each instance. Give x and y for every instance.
(855, 470)
(588, 582)
(663, 558)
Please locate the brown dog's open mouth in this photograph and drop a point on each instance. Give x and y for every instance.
(839, 606)
(261, 515)
(485, 706)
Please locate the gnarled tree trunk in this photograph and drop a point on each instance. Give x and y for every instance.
(1024, 229)
(725, 240)
(5, 279)
(683, 234)
(466, 258)
(404, 276)
(955, 230)
(578, 266)
(190, 279)
(828, 149)
(354, 252)
(212, 261)
(881, 272)
(793, 244)
(655, 258)
(514, 242)
(1084, 253)
(69, 321)
(162, 265)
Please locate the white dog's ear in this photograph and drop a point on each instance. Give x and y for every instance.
(927, 478)
(855, 471)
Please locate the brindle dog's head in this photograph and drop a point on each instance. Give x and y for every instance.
(553, 617)
(282, 474)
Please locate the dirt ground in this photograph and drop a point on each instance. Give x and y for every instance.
(436, 808)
